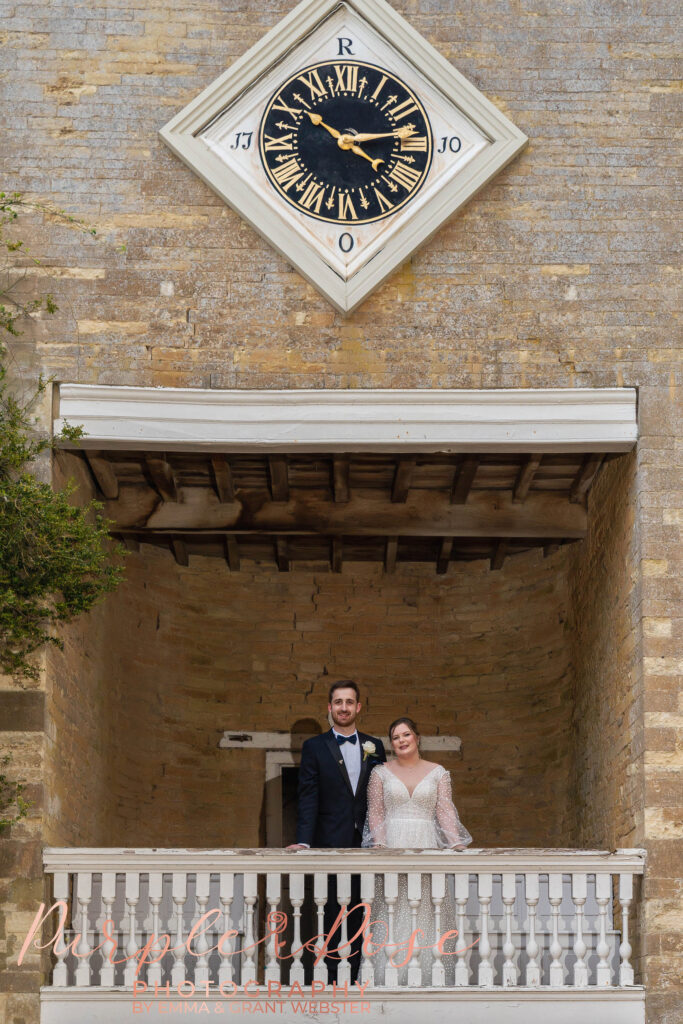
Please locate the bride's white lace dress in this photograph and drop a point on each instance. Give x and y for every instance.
(425, 818)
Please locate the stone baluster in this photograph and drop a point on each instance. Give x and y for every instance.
(555, 897)
(296, 898)
(200, 944)
(367, 894)
(226, 894)
(438, 896)
(485, 978)
(603, 894)
(83, 949)
(320, 899)
(531, 895)
(462, 894)
(626, 976)
(509, 895)
(132, 898)
(155, 892)
(61, 889)
(390, 898)
(414, 899)
(579, 894)
(179, 892)
(273, 894)
(250, 950)
(344, 899)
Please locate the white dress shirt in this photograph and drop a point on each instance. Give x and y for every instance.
(352, 755)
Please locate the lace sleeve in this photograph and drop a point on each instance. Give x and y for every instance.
(374, 830)
(450, 829)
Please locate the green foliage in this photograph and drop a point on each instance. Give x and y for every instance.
(55, 557)
(11, 799)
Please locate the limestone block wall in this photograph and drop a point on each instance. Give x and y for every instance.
(562, 272)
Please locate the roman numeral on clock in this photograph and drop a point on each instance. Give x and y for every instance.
(347, 77)
(405, 175)
(346, 208)
(313, 196)
(283, 142)
(314, 84)
(287, 174)
(384, 203)
(379, 88)
(417, 143)
(292, 111)
(403, 109)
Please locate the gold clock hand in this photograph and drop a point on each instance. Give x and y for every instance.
(400, 133)
(317, 120)
(358, 152)
(344, 142)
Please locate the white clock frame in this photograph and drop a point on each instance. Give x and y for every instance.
(181, 134)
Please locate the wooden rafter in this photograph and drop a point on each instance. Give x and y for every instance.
(550, 549)
(585, 477)
(279, 481)
(232, 553)
(445, 553)
(180, 551)
(464, 478)
(403, 477)
(162, 477)
(281, 554)
(427, 513)
(525, 476)
(390, 554)
(337, 554)
(340, 478)
(103, 472)
(499, 553)
(222, 478)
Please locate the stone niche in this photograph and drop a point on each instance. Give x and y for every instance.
(528, 666)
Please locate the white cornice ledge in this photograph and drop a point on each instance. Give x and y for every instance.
(418, 420)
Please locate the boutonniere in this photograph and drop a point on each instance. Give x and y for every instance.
(369, 749)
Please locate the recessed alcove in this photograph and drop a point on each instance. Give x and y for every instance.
(230, 625)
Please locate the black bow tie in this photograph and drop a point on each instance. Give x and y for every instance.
(346, 739)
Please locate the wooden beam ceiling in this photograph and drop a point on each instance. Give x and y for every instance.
(428, 514)
(464, 478)
(344, 507)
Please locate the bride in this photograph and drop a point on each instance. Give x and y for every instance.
(410, 806)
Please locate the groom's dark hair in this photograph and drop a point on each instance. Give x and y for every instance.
(344, 684)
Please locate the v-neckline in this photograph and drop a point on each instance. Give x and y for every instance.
(415, 788)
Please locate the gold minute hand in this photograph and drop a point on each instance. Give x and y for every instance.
(400, 133)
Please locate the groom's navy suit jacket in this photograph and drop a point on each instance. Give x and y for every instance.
(329, 813)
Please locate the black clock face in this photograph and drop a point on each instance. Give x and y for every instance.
(346, 142)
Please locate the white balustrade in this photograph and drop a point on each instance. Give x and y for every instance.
(226, 895)
(509, 896)
(462, 893)
(524, 919)
(556, 972)
(532, 894)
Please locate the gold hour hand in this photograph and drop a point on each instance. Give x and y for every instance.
(317, 120)
(359, 152)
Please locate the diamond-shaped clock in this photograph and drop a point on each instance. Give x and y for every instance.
(346, 140)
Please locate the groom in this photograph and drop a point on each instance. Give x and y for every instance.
(333, 783)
